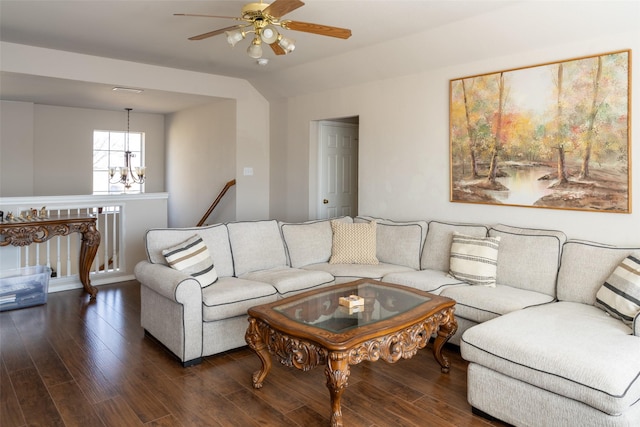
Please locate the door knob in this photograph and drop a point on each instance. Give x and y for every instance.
(325, 201)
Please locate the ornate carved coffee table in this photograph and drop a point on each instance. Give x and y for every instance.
(311, 329)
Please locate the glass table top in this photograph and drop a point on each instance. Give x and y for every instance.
(323, 310)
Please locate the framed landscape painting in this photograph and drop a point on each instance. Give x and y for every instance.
(550, 136)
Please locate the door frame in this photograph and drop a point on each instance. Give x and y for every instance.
(314, 159)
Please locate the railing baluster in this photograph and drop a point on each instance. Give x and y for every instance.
(58, 260)
(114, 245)
(48, 246)
(68, 239)
(105, 237)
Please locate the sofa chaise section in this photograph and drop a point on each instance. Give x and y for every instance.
(567, 363)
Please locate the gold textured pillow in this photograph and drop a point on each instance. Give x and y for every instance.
(353, 243)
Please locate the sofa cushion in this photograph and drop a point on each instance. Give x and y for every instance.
(214, 236)
(353, 243)
(619, 295)
(232, 297)
(433, 281)
(289, 281)
(256, 245)
(309, 242)
(347, 272)
(474, 259)
(192, 257)
(580, 276)
(398, 242)
(481, 303)
(571, 349)
(437, 244)
(529, 258)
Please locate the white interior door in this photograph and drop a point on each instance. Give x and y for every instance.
(338, 169)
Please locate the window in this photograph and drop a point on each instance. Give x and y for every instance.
(108, 152)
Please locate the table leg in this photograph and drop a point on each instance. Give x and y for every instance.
(88, 250)
(446, 330)
(257, 344)
(337, 372)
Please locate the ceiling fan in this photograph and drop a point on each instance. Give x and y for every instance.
(262, 20)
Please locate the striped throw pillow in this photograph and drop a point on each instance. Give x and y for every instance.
(474, 259)
(619, 295)
(353, 243)
(192, 257)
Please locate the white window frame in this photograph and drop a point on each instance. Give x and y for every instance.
(110, 153)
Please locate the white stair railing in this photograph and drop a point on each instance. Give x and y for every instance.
(61, 253)
(122, 220)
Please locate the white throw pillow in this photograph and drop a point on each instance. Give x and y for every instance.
(192, 257)
(474, 259)
(619, 295)
(353, 243)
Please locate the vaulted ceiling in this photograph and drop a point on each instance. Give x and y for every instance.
(148, 32)
(390, 38)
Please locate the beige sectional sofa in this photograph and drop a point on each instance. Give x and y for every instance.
(541, 353)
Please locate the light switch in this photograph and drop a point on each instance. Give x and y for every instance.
(248, 171)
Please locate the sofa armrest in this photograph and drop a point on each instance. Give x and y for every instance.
(171, 309)
(168, 282)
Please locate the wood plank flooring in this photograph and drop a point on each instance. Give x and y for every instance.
(74, 363)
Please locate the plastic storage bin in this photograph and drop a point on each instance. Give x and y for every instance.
(24, 287)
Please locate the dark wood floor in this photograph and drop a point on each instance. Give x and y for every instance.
(75, 363)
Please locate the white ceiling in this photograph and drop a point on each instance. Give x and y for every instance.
(148, 32)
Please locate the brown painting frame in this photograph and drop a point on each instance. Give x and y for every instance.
(555, 135)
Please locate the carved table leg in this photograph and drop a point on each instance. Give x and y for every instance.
(88, 249)
(448, 327)
(337, 372)
(257, 344)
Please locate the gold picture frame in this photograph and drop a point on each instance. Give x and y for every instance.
(555, 135)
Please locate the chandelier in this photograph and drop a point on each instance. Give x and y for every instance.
(128, 174)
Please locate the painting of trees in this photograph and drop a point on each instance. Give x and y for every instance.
(554, 135)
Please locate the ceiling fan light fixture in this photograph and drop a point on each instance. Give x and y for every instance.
(255, 49)
(265, 21)
(287, 44)
(233, 37)
(269, 34)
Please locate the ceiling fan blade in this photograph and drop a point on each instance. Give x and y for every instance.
(206, 16)
(277, 49)
(323, 30)
(215, 33)
(281, 7)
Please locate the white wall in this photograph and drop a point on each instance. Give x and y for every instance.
(201, 142)
(16, 148)
(251, 109)
(50, 148)
(63, 147)
(404, 141)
